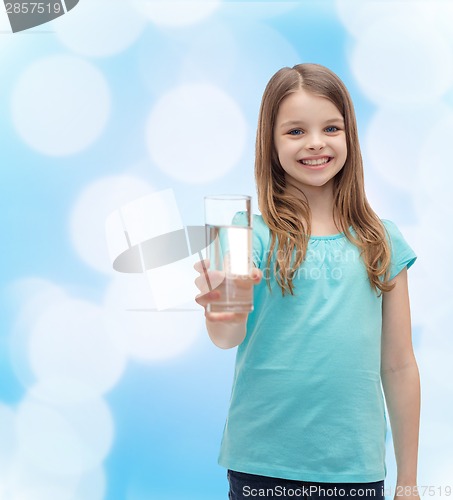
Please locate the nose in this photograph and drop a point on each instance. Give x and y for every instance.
(315, 142)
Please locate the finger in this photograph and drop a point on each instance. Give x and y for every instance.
(202, 265)
(203, 299)
(257, 275)
(202, 284)
(243, 282)
(210, 280)
(247, 281)
(226, 317)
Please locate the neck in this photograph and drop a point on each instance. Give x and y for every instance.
(320, 198)
(321, 202)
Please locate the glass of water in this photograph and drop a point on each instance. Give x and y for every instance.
(228, 220)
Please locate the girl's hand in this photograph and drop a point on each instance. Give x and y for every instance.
(207, 283)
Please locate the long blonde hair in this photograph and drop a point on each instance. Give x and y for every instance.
(287, 216)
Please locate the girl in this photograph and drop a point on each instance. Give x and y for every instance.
(331, 320)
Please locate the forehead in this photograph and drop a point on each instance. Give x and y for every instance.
(303, 105)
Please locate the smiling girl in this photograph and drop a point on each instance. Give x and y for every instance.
(330, 334)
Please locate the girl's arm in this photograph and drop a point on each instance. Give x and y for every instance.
(400, 380)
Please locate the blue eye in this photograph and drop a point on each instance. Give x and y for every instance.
(332, 129)
(296, 131)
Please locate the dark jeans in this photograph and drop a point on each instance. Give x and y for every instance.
(249, 486)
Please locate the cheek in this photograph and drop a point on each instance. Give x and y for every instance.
(289, 147)
(342, 148)
(280, 151)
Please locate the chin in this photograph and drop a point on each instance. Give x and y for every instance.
(319, 183)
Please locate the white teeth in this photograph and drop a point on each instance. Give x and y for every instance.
(321, 161)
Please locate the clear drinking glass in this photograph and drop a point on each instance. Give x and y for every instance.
(228, 222)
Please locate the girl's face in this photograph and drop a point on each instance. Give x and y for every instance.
(310, 140)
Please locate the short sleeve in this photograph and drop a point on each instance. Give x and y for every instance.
(241, 219)
(401, 253)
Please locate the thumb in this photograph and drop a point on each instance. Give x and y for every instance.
(257, 275)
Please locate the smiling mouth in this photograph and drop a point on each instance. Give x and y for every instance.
(318, 162)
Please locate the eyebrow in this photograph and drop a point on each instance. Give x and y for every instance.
(299, 122)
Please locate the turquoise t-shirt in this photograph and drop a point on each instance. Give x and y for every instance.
(306, 401)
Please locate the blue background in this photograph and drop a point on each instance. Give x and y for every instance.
(69, 157)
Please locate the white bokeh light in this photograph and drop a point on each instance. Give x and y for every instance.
(4, 21)
(41, 490)
(196, 133)
(60, 105)
(393, 144)
(433, 189)
(28, 481)
(140, 330)
(432, 195)
(211, 55)
(109, 27)
(93, 206)
(358, 15)
(64, 430)
(158, 336)
(64, 439)
(375, 198)
(92, 486)
(176, 13)
(438, 13)
(162, 281)
(436, 369)
(429, 288)
(435, 353)
(7, 441)
(396, 61)
(129, 291)
(30, 296)
(63, 390)
(434, 332)
(72, 340)
(263, 51)
(6, 42)
(259, 9)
